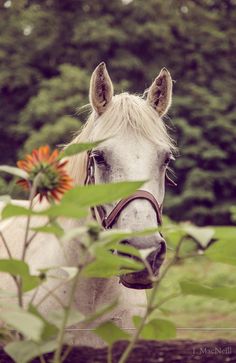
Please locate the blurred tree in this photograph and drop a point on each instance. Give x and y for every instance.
(49, 49)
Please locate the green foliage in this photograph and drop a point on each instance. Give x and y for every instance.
(49, 329)
(25, 351)
(70, 210)
(202, 236)
(52, 228)
(223, 293)
(25, 322)
(14, 171)
(225, 250)
(56, 317)
(156, 329)
(20, 268)
(58, 96)
(110, 332)
(107, 265)
(53, 134)
(92, 195)
(79, 148)
(3, 186)
(75, 201)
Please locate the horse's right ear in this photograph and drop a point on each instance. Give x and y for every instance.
(101, 89)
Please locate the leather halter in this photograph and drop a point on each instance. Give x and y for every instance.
(108, 221)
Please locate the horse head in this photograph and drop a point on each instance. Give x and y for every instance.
(137, 147)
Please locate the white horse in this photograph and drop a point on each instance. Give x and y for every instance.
(138, 147)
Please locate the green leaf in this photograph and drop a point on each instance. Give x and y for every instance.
(56, 317)
(79, 148)
(14, 267)
(131, 250)
(73, 201)
(225, 233)
(20, 268)
(14, 171)
(26, 323)
(108, 264)
(201, 235)
(30, 282)
(54, 229)
(194, 288)
(49, 329)
(25, 351)
(92, 195)
(11, 210)
(164, 311)
(70, 210)
(157, 329)
(224, 250)
(111, 333)
(111, 240)
(173, 233)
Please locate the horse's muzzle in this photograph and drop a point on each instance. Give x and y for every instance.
(142, 279)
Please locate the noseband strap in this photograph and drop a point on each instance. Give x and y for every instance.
(108, 221)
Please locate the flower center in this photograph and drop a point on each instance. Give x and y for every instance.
(49, 178)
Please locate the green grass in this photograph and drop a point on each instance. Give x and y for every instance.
(195, 311)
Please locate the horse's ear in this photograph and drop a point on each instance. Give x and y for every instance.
(160, 93)
(101, 88)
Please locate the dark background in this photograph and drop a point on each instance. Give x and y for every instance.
(49, 48)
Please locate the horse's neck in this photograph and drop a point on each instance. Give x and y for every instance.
(93, 293)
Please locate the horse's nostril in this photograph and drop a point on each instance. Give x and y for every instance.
(141, 279)
(160, 238)
(125, 242)
(156, 258)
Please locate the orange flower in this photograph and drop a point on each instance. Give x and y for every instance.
(53, 180)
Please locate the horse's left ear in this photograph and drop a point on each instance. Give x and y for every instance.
(160, 93)
(101, 89)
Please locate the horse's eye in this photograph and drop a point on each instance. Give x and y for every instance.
(168, 158)
(99, 157)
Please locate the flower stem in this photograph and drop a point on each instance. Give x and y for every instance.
(18, 288)
(57, 354)
(109, 354)
(27, 228)
(6, 245)
(150, 307)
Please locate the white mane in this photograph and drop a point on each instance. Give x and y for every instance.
(124, 112)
